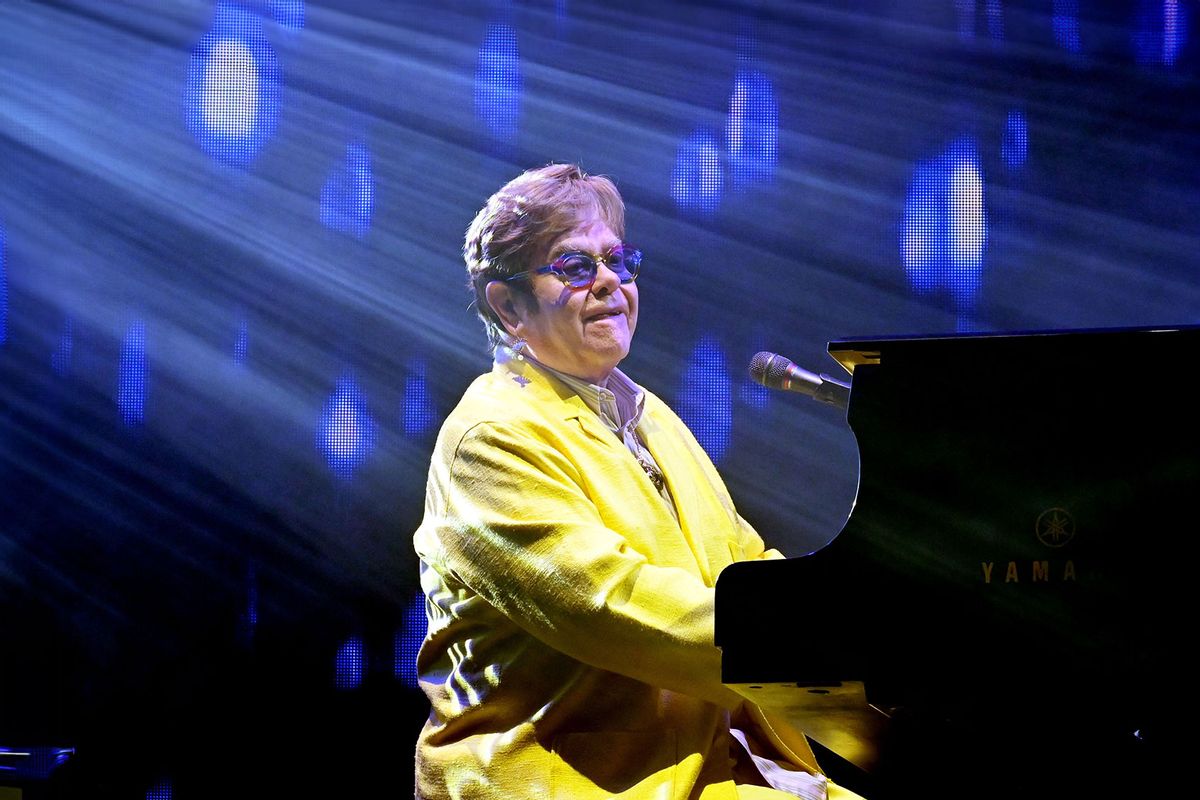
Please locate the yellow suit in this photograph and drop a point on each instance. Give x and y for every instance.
(570, 650)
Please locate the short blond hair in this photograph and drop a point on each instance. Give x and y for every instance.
(520, 222)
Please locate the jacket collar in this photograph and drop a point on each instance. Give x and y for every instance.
(511, 365)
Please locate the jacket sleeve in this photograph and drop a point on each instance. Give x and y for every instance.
(518, 529)
(752, 544)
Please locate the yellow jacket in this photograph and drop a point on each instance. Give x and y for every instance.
(570, 650)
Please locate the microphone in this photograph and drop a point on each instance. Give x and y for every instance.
(776, 372)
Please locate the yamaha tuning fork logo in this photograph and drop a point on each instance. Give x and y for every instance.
(1054, 528)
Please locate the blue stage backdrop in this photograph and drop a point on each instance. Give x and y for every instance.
(233, 308)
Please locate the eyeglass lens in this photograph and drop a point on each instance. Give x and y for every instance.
(580, 268)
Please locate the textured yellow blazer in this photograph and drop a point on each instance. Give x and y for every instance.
(570, 649)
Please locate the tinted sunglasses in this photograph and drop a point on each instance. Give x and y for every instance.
(578, 269)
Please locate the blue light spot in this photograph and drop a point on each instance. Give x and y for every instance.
(751, 392)
(994, 11)
(1160, 31)
(60, 359)
(968, 218)
(1174, 31)
(746, 44)
(241, 343)
(232, 95)
(498, 82)
(131, 377)
(3, 290)
(348, 196)
(696, 180)
(160, 791)
(418, 411)
(995, 19)
(351, 664)
(944, 228)
(1014, 145)
(755, 395)
(562, 17)
(346, 431)
(752, 128)
(921, 232)
(1065, 21)
(966, 18)
(289, 13)
(408, 642)
(706, 399)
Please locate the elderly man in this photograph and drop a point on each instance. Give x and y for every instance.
(573, 532)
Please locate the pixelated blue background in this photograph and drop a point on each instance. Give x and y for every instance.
(232, 305)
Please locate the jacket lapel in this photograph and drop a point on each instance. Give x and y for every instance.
(701, 516)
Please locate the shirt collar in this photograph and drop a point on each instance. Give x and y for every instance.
(619, 403)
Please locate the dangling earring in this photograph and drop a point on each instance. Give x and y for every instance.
(516, 346)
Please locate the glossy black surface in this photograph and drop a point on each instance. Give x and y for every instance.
(1013, 584)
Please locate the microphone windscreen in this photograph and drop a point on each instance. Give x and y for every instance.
(769, 369)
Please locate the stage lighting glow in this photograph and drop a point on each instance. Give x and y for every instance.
(160, 791)
(751, 392)
(241, 343)
(232, 94)
(1160, 31)
(752, 128)
(920, 233)
(1065, 21)
(60, 359)
(696, 180)
(498, 82)
(417, 412)
(755, 395)
(968, 224)
(346, 431)
(131, 377)
(348, 196)
(995, 19)
(230, 101)
(706, 399)
(966, 18)
(1173, 30)
(3, 290)
(408, 642)
(350, 665)
(1014, 145)
(289, 13)
(994, 12)
(944, 228)
(562, 17)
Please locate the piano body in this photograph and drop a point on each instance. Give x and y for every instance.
(1005, 613)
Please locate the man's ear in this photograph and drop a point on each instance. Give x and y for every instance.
(501, 297)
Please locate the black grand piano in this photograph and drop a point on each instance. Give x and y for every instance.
(1007, 612)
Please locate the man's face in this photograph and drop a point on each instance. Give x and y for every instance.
(581, 332)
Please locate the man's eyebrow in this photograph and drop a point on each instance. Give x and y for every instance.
(571, 247)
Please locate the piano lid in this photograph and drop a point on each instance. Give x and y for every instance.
(1017, 570)
(852, 352)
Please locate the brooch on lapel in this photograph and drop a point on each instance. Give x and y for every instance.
(652, 472)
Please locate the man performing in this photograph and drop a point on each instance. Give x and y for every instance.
(573, 533)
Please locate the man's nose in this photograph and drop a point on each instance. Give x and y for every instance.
(606, 281)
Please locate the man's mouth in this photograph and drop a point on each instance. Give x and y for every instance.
(605, 315)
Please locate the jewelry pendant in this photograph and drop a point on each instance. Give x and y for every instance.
(653, 472)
